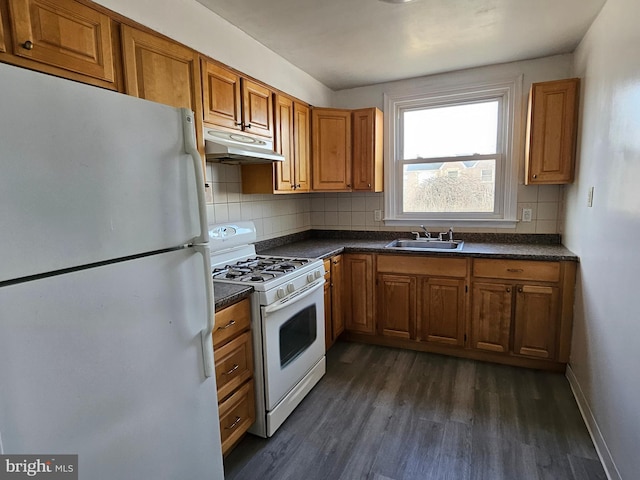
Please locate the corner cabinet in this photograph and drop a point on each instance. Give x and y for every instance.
(358, 293)
(292, 140)
(61, 37)
(552, 127)
(233, 354)
(347, 150)
(235, 103)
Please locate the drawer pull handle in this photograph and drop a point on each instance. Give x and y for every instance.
(234, 424)
(515, 270)
(235, 367)
(230, 324)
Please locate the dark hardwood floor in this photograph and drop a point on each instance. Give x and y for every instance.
(386, 414)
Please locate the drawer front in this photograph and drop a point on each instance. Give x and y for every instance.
(231, 321)
(517, 270)
(234, 364)
(237, 414)
(419, 265)
(327, 266)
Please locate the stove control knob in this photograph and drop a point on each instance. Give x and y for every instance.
(318, 273)
(280, 293)
(290, 288)
(310, 278)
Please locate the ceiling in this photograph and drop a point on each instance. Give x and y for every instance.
(350, 43)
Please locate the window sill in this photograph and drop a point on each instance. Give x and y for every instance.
(471, 223)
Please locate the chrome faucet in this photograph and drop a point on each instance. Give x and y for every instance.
(426, 233)
(449, 233)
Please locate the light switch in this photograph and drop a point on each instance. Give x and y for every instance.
(377, 215)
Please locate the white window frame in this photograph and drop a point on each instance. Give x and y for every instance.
(509, 93)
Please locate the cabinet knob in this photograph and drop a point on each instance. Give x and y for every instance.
(535, 176)
(348, 185)
(368, 185)
(28, 45)
(520, 290)
(508, 290)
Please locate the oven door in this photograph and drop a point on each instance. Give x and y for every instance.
(293, 340)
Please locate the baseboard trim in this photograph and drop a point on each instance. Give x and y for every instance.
(606, 459)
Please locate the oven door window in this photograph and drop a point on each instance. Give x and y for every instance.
(297, 334)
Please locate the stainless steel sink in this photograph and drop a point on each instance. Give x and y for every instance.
(425, 244)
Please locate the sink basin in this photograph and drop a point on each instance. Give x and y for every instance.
(426, 244)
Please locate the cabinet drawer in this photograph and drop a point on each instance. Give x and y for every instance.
(419, 265)
(517, 270)
(231, 321)
(237, 414)
(327, 269)
(234, 364)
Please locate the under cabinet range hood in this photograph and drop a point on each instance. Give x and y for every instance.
(238, 148)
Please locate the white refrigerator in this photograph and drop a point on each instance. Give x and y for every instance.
(106, 299)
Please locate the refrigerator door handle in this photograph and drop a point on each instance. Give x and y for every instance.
(206, 333)
(190, 147)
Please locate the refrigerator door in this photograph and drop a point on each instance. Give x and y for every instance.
(106, 363)
(88, 175)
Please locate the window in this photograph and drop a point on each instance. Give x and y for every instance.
(450, 155)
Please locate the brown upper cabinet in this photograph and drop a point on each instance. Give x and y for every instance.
(367, 150)
(552, 127)
(3, 45)
(61, 37)
(292, 140)
(347, 150)
(162, 71)
(331, 149)
(235, 103)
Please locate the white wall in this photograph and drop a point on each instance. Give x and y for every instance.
(190, 23)
(605, 358)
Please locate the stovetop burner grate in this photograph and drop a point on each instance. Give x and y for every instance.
(259, 269)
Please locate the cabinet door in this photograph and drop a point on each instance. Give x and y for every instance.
(535, 321)
(3, 44)
(358, 293)
(396, 305)
(257, 109)
(64, 34)
(442, 311)
(337, 317)
(302, 146)
(367, 150)
(491, 318)
(221, 96)
(552, 128)
(284, 144)
(331, 154)
(328, 333)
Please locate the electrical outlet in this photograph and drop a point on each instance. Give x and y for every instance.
(590, 197)
(377, 215)
(526, 214)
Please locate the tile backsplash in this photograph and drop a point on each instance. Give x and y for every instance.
(277, 215)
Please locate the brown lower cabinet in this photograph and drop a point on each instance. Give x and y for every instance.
(233, 354)
(334, 319)
(516, 312)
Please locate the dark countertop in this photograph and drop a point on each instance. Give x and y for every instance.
(324, 248)
(226, 294)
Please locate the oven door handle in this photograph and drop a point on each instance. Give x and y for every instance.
(299, 295)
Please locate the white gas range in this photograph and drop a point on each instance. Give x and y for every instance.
(287, 319)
